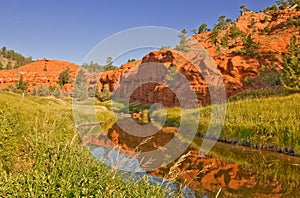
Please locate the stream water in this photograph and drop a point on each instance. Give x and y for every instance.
(230, 170)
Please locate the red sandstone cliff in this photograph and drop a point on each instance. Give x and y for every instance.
(235, 68)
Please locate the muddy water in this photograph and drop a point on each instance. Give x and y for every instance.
(233, 171)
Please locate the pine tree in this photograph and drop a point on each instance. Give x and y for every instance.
(80, 89)
(290, 76)
(21, 84)
(183, 45)
(64, 77)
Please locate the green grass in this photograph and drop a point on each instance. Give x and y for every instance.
(264, 121)
(41, 155)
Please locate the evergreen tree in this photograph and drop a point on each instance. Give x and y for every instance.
(80, 89)
(201, 29)
(183, 45)
(290, 76)
(21, 84)
(64, 77)
(243, 9)
(104, 95)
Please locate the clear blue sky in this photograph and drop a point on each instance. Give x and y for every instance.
(68, 30)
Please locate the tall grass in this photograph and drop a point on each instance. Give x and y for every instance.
(272, 121)
(41, 155)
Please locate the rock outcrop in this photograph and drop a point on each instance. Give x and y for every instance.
(272, 32)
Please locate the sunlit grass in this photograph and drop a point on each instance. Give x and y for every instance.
(41, 154)
(269, 121)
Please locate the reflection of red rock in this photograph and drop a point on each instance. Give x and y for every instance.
(204, 174)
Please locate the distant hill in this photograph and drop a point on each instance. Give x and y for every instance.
(9, 59)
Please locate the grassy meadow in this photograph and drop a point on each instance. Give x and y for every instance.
(262, 121)
(41, 155)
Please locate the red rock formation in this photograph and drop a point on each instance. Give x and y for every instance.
(41, 72)
(234, 68)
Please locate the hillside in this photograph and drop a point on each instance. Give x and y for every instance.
(244, 49)
(9, 59)
(39, 73)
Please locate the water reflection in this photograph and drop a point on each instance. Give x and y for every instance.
(234, 171)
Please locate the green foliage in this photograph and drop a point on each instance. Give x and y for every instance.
(41, 155)
(201, 29)
(294, 21)
(243, 9)
(21, 84)
(252, 23)
(278, 124)
(273, 8)
(171, 73)
(46, 91)
(109, 64)
(104, 95)
(223, 23)
(290, 76)
(234, 31)
(45, 67)
(64, 77)
(80, 86)
(260, 93)
(130, 60)
(13, 56)
(268, 77)
(265, 19)
(93, 67)
(225, 40)
(248, 80)
(183, 45)
(163, 47)
(265, 30)
(285, 4)
(250, 46)
(214, 35)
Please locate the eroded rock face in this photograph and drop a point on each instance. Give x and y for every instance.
(234, 68)
(42, 72)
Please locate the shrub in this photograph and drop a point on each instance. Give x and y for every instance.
(21, 84)
(290, 76)
(265, 30)
(214, 35)
(294, 21)
(104, 95)
(250, 46)
(183, 45)
(80, 89)
(265, 19)
(201, 29)
(64, 77)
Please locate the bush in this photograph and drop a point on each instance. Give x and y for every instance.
(290, 76)
(104, 95)
(294, 21)
(21, 84)
(64, 77)
(250, 46)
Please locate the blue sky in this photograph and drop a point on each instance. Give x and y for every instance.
(68, 30)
